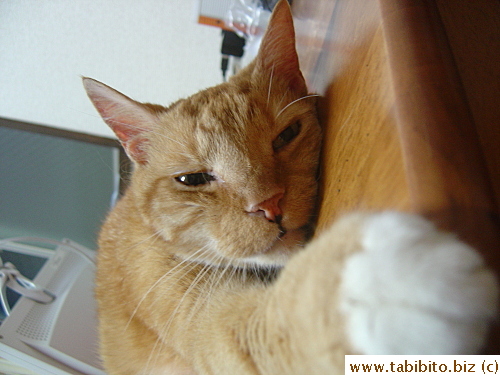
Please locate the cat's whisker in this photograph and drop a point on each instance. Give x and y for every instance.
(155, 353)
(219, 278)
(252, 270)
(283, 97)
(212, 283)
(270, 85)
(163, 332)
(344, 124)
(256, 270)
(216, 261)
(234, 271)
(295, 101)
(179, 267)
(155, 235)
(200, 276)
(244, 273)
(206, 267)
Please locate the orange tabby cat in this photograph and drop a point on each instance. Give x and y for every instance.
(200, 267)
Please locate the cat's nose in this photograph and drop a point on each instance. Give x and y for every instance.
(269, 208)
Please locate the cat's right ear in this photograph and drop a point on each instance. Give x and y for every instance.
(277, 57)
(130, 120)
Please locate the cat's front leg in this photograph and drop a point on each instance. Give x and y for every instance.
(386, 283)
(411, 289)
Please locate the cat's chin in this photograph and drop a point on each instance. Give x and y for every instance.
(278, 253)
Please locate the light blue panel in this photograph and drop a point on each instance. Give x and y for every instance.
(55, 187)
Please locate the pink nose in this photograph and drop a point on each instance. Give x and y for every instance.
(269, 208)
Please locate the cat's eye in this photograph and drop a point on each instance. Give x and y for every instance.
(286, 136)
(195, 179)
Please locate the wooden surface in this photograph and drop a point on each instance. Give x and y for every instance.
(411, 110)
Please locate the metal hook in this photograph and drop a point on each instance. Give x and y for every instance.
(12, 278)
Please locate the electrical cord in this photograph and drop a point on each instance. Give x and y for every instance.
(232, 45)
(223, 66)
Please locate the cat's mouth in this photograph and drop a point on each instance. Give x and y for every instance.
(304, 234)
(282, 248)
(283, 231)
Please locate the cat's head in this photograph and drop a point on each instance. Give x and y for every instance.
(228, 174)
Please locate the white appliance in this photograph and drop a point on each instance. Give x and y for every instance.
(59, 337)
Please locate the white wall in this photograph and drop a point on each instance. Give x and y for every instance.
(151, 50)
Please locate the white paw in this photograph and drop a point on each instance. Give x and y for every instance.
(415, 290)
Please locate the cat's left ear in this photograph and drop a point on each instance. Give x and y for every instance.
(277, 57)
(130, 120)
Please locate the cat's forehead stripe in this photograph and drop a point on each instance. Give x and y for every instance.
(219, 107)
